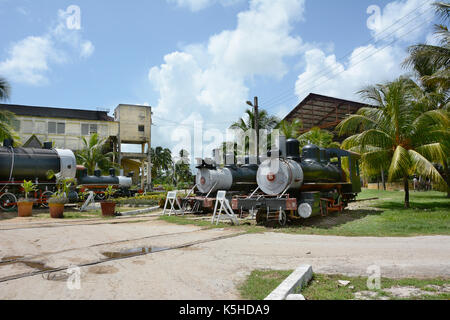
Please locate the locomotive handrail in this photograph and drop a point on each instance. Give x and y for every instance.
(212, 189)
(253, 193)
(190, 191)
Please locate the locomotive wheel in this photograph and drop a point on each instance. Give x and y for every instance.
(8, 202)
(44, 198)
(261, 216)
(100, 196)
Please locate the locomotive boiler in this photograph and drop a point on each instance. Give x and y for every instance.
(210, 178)
(293, 186)
(33, 164)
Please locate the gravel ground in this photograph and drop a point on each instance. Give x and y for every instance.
(212, 268)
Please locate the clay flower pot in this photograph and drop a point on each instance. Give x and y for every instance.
(56, 210)
(24, 208)
(108, 208)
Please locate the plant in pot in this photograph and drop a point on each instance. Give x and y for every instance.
(25, 205)
(59, 198)
(108, 205)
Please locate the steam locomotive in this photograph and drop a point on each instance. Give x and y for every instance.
(298, 187)
(19, 164)
(234, 178)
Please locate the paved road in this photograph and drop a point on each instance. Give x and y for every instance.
(211, 268)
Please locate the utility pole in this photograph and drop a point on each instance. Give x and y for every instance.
(256, 125)
(257, 129)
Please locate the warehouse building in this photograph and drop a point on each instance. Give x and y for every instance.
(322, 111)
(66, 128)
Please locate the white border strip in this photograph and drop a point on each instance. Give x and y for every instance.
(296, 280)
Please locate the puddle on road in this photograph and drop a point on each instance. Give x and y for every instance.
(132, 252)
(32, 264)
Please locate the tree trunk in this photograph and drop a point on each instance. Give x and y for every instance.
(383, 179)
(406, 187)
(447, 177)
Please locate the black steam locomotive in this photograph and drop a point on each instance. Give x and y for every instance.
(19, 164)
(293, 187)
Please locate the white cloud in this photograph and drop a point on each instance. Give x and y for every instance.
(404, 19)
(197, 5)
(371, 64)
(210, 79)
(366, 66)
(29, 60)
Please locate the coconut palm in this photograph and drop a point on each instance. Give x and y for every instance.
(290, 129)
(162, 160)
(319, 137)
(6, 117)
(435, 57)
(265, 121)
(92, 155)
(5, 89)
(397, 133)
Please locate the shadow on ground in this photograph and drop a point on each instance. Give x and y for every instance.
(330, 221)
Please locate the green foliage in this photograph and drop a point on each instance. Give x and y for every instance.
(290, 129)
(62, 187)
(265, 120)
(398, 132)
(28, 186)
(109, 192)
(319, 137)
(93, 155)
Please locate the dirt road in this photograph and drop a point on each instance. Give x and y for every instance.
(188, 262)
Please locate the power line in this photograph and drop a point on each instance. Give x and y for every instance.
(325, 71)
(378, 50)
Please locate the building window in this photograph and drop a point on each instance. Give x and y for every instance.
(92, 129)
(16, 125)
(52, 127)
(61, 128)
(56, 127)
(141, 128)
(88, 129)
(84, 129)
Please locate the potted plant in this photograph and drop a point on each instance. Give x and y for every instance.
(59, 198)
(25, 205)
(108, 206)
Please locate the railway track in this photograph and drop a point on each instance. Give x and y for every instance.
(108, 259)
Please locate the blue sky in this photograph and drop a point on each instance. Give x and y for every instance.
(202, 59)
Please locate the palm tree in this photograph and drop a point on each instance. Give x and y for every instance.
(6, 117)
(319, 137)
(431, 66)
(92, 155)
(435, 57)
(5, 89)
(162, 160)
(397, 133)
(290, 129)
(264, 119)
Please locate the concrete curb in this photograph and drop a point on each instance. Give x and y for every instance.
(296, 280)
(140, 211)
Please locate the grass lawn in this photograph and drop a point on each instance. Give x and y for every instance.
(429, 215)
(326, 287)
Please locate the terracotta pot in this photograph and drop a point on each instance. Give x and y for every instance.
(56, 210)
(24, 209)
(108, 208)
